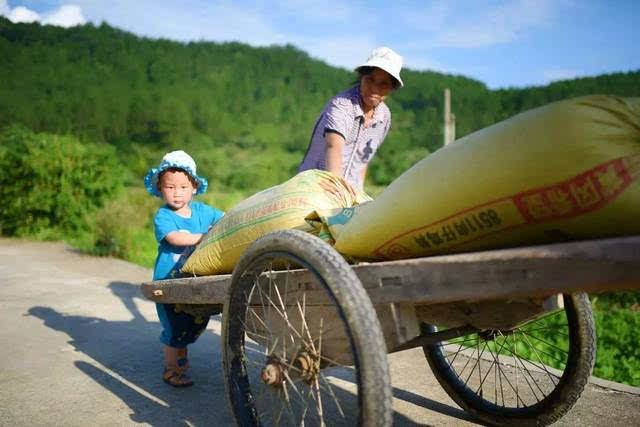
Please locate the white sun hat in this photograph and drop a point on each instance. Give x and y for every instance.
(385, 59)
(179, 160)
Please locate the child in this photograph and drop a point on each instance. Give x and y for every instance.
(179, 225)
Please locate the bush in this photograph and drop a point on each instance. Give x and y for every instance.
(51, 183)
(124, 228)
(617, 317)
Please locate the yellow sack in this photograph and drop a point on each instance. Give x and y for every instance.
(281, 207)
(568, 170)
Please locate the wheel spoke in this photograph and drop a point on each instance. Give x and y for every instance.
(253, 334)
(556, 329)
(515, 389)
(549, 345)
(329, 387)
(320, 412)
(288, 400)
(269, 296)
(460, 349)
(293, 386)
(526, 379)
(455, 342)
(284, 316)
(551, 377)
(305, 326)
(257, 285)
(488, 371)
(504, 375)
(527, 349)
(515, 354)
(476, 364)
(332, 362)
(284, 340)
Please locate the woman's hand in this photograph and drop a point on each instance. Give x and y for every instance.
(333, 155)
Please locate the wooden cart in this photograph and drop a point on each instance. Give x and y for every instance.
(305, 335)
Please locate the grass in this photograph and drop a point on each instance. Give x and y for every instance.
(618, 329)
(617, 318)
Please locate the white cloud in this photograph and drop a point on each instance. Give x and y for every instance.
(473, 24)
(64, 16)
(420, 62)
(501, 24)
(559, 74)
(233, 22)
(347, 52)
(4, 8)
(328, 11)
(22, 14)
(222, 20)
(350, 51)
(432, 17)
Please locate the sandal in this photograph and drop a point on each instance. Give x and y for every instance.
(183, 364)
(176, 378)
(176, 365)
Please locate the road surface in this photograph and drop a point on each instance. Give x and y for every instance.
(81, 348)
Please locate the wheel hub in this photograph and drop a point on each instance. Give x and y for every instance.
(273, 373)
(307, 365)
(492, 334)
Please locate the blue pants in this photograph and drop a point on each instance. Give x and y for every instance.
(179, 329)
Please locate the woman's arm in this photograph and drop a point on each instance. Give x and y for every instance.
(179, 238)
(363, 174)
(333, 155)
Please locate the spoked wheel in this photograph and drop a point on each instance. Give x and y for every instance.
(504, 376)
(302, 347)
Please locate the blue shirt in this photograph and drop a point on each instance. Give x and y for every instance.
(171, 258)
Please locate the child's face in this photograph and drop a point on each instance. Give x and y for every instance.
(176, 189)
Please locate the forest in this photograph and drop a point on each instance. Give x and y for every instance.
(229, 103)
(86, 111)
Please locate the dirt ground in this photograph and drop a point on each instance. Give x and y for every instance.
(81, 348)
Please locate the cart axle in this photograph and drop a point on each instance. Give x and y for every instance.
(304, 366)
(435, 337)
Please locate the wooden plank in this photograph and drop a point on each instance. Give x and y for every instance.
(534, 271)
(188, 290)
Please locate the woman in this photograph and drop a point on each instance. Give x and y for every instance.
(354, 123)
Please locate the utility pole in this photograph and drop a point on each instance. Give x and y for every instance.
(449, 119)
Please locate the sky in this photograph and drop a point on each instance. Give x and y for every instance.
(507, 43)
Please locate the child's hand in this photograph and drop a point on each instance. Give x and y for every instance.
(182, 238)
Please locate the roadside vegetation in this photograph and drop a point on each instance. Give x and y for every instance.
(85, 111)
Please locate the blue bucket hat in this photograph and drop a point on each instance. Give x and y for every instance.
(179, 160)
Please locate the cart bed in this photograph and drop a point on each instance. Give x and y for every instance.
(535, 271)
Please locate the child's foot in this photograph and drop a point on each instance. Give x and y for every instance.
(176, 364)
(175, 378)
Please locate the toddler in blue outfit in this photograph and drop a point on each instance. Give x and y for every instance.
(179, 225)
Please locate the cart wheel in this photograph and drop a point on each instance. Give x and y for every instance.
(302, 351)
(503, 377)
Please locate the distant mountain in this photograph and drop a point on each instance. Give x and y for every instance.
(145, 95)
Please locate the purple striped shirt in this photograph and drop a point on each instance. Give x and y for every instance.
(343, 114)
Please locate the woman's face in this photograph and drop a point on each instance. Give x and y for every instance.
(375, 87)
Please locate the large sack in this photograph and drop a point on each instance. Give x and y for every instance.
(281, 207)
(565, 171)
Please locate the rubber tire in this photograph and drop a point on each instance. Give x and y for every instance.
(582, 355)
(353, 304)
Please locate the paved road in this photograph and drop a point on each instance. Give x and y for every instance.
(81, 348)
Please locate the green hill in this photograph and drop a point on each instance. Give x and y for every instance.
(228, 103)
